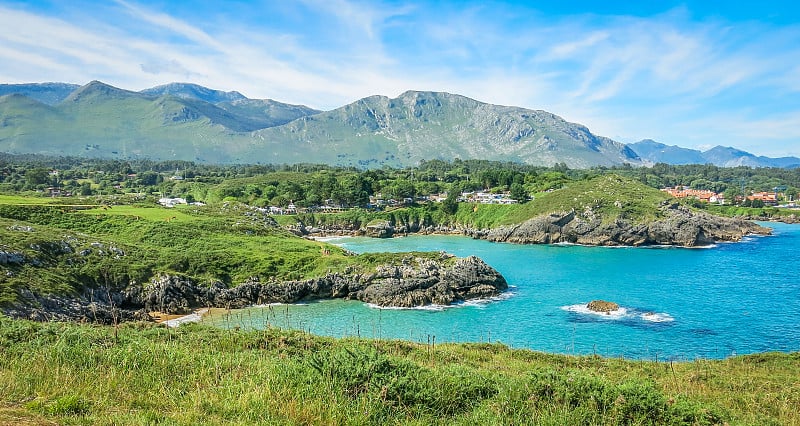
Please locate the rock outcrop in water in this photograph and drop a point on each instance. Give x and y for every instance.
(413, 281)
(602, 306)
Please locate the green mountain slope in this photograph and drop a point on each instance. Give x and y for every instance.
(98, 120)
(263, 113)
(428, 125)
(102, 121)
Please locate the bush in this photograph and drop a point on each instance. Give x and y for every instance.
(400, 383)
(592, 398)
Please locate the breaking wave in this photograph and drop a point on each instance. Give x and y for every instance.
(622, 313)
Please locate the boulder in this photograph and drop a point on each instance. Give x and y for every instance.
(379, 229)
(602, 306)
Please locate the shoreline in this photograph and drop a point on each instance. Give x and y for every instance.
(173, 321)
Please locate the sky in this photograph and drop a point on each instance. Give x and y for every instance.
(695, 74)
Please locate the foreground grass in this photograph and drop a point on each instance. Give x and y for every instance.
(80, 374)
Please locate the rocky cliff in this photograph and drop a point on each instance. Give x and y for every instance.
(679, 226)
(411, 281)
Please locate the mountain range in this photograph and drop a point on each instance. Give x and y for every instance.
(190, 122)
(654, 152)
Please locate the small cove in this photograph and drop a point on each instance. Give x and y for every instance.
(677, 303)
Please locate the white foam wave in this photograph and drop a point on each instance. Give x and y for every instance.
(657, 317)
(331, 238)
(476, 303)
(621, 313)
(410, 308)
(175, 322)
(709, 246)
(267, 305)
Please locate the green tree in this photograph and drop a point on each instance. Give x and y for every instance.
(450, 204)
(37, 176)
(518, 192)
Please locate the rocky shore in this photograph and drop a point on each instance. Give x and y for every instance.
(412, 281)
(790, 219)
(677, 226)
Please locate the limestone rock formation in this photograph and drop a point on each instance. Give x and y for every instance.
(602, 306)
(411, 281)
(678, 226)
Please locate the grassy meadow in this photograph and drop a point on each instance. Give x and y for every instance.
(69, 247)
(57, 373)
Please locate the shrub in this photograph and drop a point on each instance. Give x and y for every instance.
(400, 383)
(592, 398)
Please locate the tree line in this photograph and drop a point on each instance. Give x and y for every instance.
(308, 185)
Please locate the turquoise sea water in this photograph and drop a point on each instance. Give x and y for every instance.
(677, 303)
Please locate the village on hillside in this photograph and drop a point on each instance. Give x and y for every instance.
(754, 199)
(376, 202)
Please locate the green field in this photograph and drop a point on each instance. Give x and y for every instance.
(21, 200)
(119, 244)
(144, 374)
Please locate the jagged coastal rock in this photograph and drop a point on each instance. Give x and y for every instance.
(413, 281)
(602, 306)
(678, 226)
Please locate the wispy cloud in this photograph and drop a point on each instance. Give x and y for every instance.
(669, 76)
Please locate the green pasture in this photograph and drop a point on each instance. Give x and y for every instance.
(53, 373)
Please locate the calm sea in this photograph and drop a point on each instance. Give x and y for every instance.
(676, 303)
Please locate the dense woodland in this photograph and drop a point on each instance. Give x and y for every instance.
(308, 185)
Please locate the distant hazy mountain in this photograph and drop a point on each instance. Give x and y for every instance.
(732, 157)
(650, 150)
(193, 91)
(46, 93)
(654, 152)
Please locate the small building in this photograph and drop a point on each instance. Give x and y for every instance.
(703, 195)
(769, 198)
(487, 198)
(171, 202)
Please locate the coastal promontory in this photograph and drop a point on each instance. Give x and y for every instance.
(607, 210)
(115, 263)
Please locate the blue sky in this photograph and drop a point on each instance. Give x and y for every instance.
(693, 74)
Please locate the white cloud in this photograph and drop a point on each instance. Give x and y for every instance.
(632, 76)
(169, 67)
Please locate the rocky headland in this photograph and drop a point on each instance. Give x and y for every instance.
(676, 225)
(411, 281)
